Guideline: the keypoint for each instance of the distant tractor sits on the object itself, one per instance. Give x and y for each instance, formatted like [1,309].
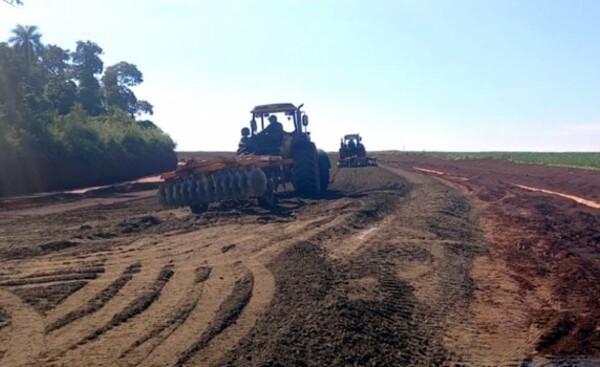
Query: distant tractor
[268,158]
[353,154]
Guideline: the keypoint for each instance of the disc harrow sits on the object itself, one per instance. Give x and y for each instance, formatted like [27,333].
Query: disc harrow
[356,161]
[201,182]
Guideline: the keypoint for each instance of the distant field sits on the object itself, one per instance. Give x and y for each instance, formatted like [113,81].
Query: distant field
[202,154]
[583,160]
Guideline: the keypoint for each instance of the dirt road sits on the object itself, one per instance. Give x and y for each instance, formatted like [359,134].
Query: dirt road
[378,272]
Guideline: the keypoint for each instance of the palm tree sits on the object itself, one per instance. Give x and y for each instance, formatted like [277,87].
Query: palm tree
[26,40]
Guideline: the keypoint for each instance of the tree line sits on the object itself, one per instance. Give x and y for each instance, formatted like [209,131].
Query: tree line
[67,121]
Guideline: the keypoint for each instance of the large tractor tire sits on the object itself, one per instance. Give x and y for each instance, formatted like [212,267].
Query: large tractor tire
[305,173]
[324,166]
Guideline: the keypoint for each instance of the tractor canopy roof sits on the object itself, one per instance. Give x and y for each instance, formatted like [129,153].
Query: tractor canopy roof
[351,136]
[288,108]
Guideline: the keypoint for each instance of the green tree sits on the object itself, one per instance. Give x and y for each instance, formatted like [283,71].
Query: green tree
[9,80]
[56,60]
[27,41]
[58,90]
[61,94]
[64,143]
[86,64]
[117,81]
[13,2]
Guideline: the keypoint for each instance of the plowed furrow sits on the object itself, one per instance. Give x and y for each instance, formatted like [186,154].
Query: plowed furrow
[226,315]
[61,340]
[49,279]
[45,298]
[173,320]
[4,318]
[98,269]
[163,330]
[214,291]
[262,295]
[136,307]
[98,301]
[26,340]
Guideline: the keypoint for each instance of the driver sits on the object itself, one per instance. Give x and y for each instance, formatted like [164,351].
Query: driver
[275,127]
[351,144]
[273,135]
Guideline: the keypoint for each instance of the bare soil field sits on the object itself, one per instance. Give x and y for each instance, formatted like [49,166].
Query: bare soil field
[538,285]
[394,266]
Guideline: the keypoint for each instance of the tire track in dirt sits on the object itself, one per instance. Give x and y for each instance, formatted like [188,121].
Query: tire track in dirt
[61,340]
[341,298]
[437,279]
[493,327]
[5,330]
[263,281]
[215,290]
[427,249]
[140,317]
[92,346]
[46,297]
[252,238]
[45,290]
[48,279]
[148,342]
[135,307]
[95,303]
[26,340]
[261,294]
[534,292]
[42,276]
[227,314]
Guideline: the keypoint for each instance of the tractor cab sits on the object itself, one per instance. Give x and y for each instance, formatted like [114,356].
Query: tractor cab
[351,145]
[264,137]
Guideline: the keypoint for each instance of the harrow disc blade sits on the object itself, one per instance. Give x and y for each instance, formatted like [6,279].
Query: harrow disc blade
[202,189]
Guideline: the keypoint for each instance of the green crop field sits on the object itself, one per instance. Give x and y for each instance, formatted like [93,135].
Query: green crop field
[569,159]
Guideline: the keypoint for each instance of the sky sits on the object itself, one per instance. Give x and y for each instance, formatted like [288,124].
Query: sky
[468,75]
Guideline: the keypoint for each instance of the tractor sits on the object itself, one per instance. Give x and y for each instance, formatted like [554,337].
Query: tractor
[268,158]
[352,153]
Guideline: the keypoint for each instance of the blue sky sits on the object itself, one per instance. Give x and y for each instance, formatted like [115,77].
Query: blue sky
[415,75]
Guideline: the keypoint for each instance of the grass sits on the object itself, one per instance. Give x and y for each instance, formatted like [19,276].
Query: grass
[590,160]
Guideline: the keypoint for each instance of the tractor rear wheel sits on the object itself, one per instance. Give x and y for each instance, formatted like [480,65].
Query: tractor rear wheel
[324,166]
[305,173]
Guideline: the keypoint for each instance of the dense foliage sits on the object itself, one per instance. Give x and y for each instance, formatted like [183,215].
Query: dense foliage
[568,159]
[63,123]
